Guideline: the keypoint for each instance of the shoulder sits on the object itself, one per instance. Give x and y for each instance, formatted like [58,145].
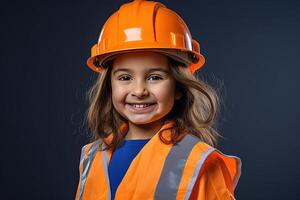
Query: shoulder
[215,173]
[214,182]
[90,148]
[211,160]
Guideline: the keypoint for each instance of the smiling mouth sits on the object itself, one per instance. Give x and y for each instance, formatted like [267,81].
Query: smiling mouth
[140,107]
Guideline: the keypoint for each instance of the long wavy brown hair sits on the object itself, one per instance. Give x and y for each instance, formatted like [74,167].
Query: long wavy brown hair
[194,113]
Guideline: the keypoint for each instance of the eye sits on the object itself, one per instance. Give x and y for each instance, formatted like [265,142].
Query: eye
[124,78]
[155,77]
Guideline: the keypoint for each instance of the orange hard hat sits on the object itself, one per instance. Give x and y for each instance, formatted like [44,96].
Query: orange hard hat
[147,26]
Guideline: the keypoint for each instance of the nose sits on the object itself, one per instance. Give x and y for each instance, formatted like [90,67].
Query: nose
[140,89]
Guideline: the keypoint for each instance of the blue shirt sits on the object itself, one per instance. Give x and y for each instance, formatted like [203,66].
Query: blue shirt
[120,161]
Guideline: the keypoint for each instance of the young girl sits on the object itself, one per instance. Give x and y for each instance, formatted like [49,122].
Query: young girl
[151,118]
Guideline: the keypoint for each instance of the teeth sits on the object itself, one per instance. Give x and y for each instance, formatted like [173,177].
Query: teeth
[140,105]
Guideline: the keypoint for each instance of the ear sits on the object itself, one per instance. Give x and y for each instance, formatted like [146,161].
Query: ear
[178,95]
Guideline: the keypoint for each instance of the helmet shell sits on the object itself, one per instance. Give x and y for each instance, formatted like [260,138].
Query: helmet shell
[145,26]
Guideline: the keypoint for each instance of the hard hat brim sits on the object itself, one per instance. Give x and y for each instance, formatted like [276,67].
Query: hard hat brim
[189,59]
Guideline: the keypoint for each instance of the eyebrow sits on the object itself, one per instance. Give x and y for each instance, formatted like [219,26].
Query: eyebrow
[150,70]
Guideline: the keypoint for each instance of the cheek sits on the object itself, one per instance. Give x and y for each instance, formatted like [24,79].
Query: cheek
[118,93]
[165,93]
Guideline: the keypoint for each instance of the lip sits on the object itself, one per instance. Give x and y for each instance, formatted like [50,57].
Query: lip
[139,103]
[140,110]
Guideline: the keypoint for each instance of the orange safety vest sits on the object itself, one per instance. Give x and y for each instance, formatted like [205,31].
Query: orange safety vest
[191,169]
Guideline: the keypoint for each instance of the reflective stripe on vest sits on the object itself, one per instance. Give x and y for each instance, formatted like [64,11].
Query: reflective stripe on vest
[86,164]
[196,172]
[171,175]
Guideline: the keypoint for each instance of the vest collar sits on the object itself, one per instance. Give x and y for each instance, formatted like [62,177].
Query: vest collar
[168,124]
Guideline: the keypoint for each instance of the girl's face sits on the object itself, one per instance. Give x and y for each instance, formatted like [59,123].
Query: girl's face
[143,89]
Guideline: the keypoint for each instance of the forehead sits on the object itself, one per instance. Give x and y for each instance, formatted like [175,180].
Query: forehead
[140,61]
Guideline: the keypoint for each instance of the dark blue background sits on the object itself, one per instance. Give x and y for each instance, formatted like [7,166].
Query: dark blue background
[252,55]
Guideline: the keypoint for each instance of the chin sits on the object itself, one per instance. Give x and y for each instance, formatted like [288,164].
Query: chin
[142,120]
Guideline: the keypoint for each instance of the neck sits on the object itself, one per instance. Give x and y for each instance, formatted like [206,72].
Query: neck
[143,131]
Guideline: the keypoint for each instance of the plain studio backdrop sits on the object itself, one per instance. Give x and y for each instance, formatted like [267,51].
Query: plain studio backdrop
[252,56]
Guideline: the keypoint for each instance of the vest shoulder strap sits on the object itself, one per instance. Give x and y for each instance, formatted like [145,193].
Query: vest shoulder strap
[88,153]
[184,164]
